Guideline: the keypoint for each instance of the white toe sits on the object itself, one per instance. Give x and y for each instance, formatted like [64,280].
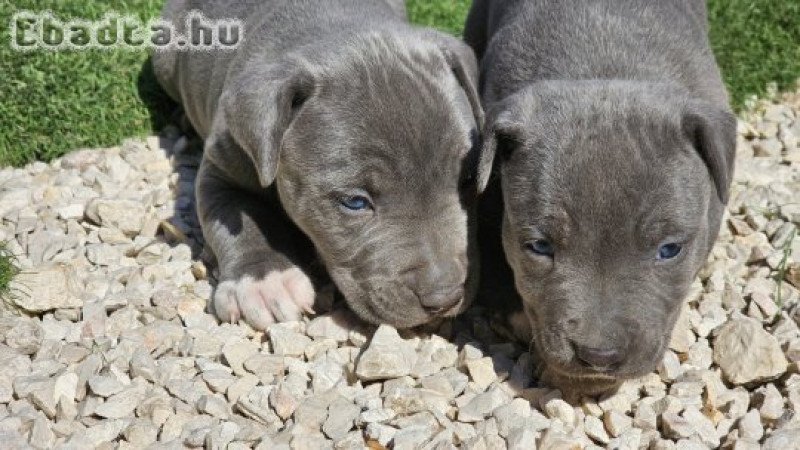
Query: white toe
[281,296]
[226,305]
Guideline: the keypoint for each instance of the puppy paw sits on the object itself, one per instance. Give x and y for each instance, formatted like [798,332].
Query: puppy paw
[281,296]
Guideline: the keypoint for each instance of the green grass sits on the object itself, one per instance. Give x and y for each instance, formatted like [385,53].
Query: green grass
[446,15]
[7,270]
[756,42]
[51,103]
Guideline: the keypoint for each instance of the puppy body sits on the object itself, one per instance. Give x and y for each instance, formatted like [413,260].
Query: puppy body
[614,147]
[335,132]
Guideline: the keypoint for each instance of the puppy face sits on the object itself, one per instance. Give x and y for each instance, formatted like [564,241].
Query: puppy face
[378,167]
[613,197]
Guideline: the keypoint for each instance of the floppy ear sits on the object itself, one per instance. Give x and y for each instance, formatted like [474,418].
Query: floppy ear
[503,134]
[257,108]
[462,62]
[712,132]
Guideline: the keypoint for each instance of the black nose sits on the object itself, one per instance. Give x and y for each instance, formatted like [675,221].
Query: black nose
[599,358]
[440,302]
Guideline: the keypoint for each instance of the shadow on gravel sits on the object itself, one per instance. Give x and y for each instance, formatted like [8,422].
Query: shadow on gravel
[184,149]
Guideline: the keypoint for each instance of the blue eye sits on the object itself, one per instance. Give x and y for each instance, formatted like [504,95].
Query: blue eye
[356,203]
[541,247]
[669,251]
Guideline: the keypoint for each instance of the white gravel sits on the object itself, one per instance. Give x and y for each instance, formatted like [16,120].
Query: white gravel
[105,342]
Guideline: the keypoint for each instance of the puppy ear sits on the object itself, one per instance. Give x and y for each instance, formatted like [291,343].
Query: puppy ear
[462,62]
[257,109]
[503,135]
[712,132]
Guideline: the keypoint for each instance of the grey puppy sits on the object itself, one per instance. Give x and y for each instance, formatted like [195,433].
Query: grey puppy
[336,132]
[614,144]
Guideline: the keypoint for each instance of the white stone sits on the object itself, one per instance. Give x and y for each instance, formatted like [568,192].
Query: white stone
[750,426]
[481,406]
[286,341]
[124,215]
[388,356]
[105,385]
[46,288]
[676,427]
[120,405]
[616,423]
[561,410]
[521,439]
[481,370]
[788,439]
[746,353]
[595,430]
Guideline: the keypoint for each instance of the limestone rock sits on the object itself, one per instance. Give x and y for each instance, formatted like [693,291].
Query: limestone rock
[388,356]
[746,353]
[46,288]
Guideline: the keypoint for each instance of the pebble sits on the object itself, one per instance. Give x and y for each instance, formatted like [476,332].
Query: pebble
[788,439]
[141,433]
[237,352]
[616,423]
[25,336]
[46,288]
[560,410]
[480,406]
[518,414]
[120,405]
[105,386]
[286,341]
[335,325]
[381,434]
[241,386]
[341,419]
[214,406]
[747,353]
[521,439]
[387,356]
[481,371]
[750,426]
[283,402]
[557,440]
[676,427]
[42,436]
[124,215]
[595,429]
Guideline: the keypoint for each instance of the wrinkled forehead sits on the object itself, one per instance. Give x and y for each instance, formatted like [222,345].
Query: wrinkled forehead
[397,123]
[610,177]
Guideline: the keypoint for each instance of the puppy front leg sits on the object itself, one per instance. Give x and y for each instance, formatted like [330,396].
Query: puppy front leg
[259,252]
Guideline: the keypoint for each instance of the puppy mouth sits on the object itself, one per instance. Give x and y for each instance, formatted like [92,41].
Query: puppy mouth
[638,364]
[587,374]
[395,304]
[451,311]
[574,370]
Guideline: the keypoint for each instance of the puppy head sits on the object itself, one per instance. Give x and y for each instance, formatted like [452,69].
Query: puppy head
[614,194]
[372,146]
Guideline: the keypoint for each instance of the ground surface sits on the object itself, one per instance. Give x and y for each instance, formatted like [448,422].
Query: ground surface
[51,103]
[104,339]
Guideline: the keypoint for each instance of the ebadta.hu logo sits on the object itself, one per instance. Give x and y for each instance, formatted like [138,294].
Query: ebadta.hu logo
[42,30]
